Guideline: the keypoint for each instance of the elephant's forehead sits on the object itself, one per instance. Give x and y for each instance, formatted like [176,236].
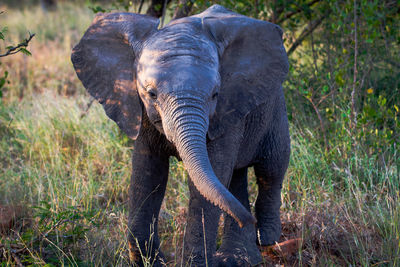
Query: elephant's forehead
[181,44]
[176,76]
[178,54]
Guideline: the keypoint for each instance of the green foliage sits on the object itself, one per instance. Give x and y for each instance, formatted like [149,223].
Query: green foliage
[97,9]
[21,47]
[328,68]
[58,230]
[45,147]
[3,81]
[3,32]
[338,49]
[125,5]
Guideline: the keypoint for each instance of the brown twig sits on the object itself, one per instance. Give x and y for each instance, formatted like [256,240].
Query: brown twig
[183,9]
[353,115]
[55,226]
[291,14]
[314,53]
[325,97]
[85,112]
[255,8]
[17,260]
[15,49]
[321,122]
[14,253]
[276,11]
[204,236]
[306,32]
[163,13]
[154,9]
[140,6]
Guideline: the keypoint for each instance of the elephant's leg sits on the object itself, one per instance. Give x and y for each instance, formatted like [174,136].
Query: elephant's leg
[238,246]
[201,230]
[270,174]
[222,162]
[148,183]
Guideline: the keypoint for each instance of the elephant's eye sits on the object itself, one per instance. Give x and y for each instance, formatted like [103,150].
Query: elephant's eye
[215,95]
[152,93]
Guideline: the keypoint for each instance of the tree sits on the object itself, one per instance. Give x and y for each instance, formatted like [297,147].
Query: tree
[345,77]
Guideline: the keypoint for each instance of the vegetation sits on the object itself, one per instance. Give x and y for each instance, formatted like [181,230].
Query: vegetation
[65,168]
[12,50]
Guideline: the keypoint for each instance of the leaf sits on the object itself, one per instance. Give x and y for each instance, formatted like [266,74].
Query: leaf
[3,79]
[97,9]
[339,79]
[26,52]
[1,36]
[2,82]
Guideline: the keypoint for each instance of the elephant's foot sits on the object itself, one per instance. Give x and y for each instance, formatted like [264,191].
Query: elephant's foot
[238,254]
[138,259]
[268,234]
[134,255]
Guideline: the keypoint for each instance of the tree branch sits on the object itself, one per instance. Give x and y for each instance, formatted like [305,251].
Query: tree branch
[353,115]
[183,9]
[321,122]
[276,12]
[393,63]
[156,8]
[306,32]
[140,6]
[15,49]
[291,14]
[163,13]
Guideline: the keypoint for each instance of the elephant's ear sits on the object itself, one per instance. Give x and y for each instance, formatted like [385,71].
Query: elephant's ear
[253,64]
[104,61]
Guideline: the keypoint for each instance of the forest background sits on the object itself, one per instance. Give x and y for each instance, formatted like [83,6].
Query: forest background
[65,167]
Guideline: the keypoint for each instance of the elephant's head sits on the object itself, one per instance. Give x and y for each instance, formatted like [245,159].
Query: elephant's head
[216,66]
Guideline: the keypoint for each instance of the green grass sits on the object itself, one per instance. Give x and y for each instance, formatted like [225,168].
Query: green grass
[67,172]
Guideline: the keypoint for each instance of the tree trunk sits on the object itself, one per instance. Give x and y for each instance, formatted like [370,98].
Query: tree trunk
[183,9]
[156,8]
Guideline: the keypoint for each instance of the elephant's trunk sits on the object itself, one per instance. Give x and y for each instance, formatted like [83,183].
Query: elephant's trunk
[185,124]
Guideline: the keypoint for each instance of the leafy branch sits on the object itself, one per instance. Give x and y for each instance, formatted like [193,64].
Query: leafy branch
[306,32]
[21,47]
[11,50]
[300,9]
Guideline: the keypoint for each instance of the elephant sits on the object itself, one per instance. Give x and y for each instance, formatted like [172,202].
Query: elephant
[206,89]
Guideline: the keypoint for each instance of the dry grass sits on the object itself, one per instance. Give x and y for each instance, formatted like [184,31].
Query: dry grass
[70,174]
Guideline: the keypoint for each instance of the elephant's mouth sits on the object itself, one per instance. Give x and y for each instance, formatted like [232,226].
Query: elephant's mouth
[158,125]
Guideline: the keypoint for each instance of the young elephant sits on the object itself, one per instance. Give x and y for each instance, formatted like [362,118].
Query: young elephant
[206,89]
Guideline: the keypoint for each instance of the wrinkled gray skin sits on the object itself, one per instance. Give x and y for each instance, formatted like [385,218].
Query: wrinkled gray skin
[207,90]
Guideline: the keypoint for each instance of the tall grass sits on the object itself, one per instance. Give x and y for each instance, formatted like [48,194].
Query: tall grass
[68,171]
